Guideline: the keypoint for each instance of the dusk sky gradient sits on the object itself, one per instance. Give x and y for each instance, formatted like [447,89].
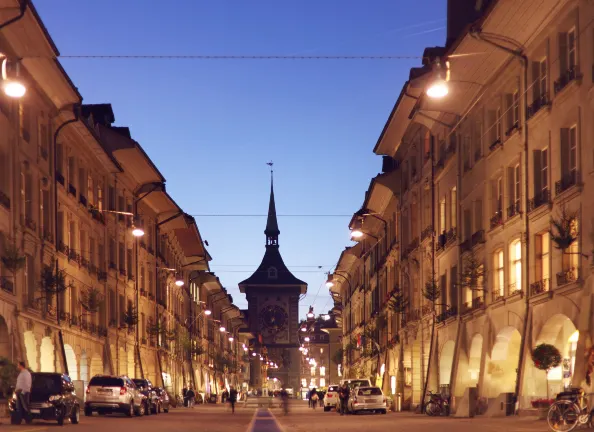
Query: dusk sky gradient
[211,125]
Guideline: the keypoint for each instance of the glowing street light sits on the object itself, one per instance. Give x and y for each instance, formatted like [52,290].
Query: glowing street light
[306,339]
[207,312]
[13,86]
[137,232]
[222,329]
[357,234]
[230,338]
[437,89]
[310,314]
[179,281]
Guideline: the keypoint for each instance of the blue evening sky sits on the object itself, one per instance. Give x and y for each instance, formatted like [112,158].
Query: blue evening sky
[211,125]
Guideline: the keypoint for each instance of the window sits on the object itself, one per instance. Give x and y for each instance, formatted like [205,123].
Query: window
[515,109]
[322,371]
[60,158]
[539,78]
[43,137]
[515,276]
[24,121]
[23,196]
[92,258]
[44,208]
[478,215]
[90,190]
[121,256]
[72,235]
[499,281]
[74,305]
[498,125]
[571,256]
[497,196]
[477,140]
[541,173]
[467,223]
[71,171]
[111,198]
[141,279]
[30,278]
[568,157]
[442,215]
[494,124]
[427,145]
[112,313]
[571,49]
[453,208]
[99,203]
[513,178]
[129,263]
[543,260]
[4,172]
[322,382]
[272,273]
[466,153]
[83,244]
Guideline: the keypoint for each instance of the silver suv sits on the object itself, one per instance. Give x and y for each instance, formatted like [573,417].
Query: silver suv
[107,394]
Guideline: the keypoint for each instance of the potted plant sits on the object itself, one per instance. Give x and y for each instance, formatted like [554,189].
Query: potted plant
[545,357]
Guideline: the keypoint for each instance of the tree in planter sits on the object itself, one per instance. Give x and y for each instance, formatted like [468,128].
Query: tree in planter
[53,282]
[8,376]
[131,316]
[473,273]
[91,300]
[12,259]
[564,230]
[545,358]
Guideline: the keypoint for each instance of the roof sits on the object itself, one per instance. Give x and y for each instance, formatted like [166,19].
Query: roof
[262,276]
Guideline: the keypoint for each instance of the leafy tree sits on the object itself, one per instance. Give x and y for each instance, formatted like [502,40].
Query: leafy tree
[53,281]
[432,290]
[12,259]
[131,316]
[398,303]
[8,376]
[338,355]
[545,358]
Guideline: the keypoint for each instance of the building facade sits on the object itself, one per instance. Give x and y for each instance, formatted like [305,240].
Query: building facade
[80,293]
[492,243]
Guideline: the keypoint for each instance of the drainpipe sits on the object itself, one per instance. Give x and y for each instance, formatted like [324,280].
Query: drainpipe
[23,9]
[76,111]
[524,59]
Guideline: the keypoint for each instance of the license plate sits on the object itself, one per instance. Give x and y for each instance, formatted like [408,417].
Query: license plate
[369,400]
[35,411]
[104,391]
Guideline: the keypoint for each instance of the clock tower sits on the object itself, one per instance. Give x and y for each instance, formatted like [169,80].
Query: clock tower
[272,294]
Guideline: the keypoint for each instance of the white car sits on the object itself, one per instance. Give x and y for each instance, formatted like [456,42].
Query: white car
[331,399]
[369,399]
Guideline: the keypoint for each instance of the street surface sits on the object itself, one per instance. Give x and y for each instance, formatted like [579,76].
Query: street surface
[218,418]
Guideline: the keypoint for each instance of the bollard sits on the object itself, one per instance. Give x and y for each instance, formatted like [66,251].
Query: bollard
[398,406]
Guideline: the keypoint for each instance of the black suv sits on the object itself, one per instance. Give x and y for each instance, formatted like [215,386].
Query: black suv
[52,397]
[146,388]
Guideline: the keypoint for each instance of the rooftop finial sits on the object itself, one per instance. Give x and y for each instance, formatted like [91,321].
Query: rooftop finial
[272,232]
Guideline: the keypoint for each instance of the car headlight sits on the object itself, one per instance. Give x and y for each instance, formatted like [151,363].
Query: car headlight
[54,398]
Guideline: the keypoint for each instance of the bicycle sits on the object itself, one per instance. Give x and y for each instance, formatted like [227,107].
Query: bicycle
[437,405]
[569,410]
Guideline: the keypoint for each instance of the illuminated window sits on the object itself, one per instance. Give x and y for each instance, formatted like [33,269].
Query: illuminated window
[313,370]
[339,370]
[499,273]
[322,382]
[515,276]
[303,382]
[322,370]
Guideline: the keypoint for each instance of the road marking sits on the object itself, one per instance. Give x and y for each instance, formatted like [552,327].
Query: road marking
[264,421]
[32,430]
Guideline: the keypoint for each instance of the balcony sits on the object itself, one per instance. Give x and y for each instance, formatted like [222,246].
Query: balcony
[4,200]
[59,178]
[84,262]
[514,288]
[538,200]
[478,237]
[97,215]
[123,272]
[466,245]
[474,304]
[73,256]
[571,74]
[63,248]
[71,189]
[538,103]
[496,144]
[441,241]
[497,295]
[497,219]
[449,312]
[6,285]
[47,236]
[567,276]
[83,200]
[427,232]
[102,331]
[512,129]
[566,182]
[539,287]
[513,210]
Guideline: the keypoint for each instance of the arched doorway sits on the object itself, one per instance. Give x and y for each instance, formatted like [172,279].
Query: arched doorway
[446,359]
[31,350]
[48,359]
[474,360]
[96,366]
[559,331]
[502,364]
[5,345]
[71,362]
[84,367]
[122,362]
[131,373]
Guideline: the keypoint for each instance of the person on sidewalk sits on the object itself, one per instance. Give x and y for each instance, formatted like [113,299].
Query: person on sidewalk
[23,390]
[314,398]
[191,397]
[232,399]
[343,395]
[185,396]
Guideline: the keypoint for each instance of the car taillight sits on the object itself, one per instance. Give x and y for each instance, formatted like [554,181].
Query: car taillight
[384,400]
[355,401]
[122,391]
[329,395]
[88,390]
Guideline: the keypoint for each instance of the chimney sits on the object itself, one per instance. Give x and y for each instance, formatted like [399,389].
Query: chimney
[462,13]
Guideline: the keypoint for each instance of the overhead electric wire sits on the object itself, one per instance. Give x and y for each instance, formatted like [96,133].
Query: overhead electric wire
[265,215]
[237,57]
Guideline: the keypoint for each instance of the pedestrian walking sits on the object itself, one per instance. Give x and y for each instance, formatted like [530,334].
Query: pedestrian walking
[285,401]
[191,395]
[224,396]
[343,394]
[23,390]
[314,398]
[232,399]
[185,396]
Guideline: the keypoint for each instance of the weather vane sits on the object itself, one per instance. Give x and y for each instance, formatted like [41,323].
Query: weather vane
[271,165]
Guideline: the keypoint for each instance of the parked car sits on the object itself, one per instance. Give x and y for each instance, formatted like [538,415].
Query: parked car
[163,398]
[107,394]
[354,383]
[52,397]
[331,399]
[146,388]
[367,399]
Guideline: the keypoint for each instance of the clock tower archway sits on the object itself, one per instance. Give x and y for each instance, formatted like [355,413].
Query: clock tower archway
[272,294]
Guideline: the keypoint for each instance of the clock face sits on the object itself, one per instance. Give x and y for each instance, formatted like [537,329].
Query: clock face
[274,318]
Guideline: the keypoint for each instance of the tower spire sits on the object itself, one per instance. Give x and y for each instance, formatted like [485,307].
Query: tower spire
[272,232]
